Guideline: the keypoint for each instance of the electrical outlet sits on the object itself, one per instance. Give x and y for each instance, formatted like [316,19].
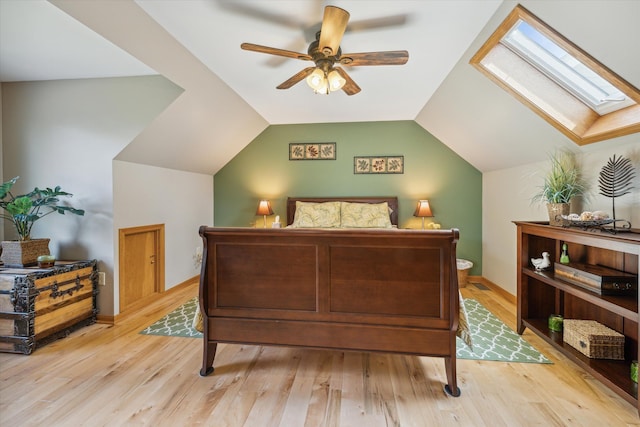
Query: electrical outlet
[102,278]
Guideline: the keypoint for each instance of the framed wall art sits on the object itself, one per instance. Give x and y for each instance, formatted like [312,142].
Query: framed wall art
[378,164]
[312,151]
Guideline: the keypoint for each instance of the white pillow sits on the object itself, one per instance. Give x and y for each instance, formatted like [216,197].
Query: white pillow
[365,215]
[316,215]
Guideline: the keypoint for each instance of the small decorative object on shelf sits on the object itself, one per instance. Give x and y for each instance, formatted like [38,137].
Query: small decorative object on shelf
[555,323]
[541,263]
[634,371]
[564,258]
[615,180]
[595,221]
[46,261]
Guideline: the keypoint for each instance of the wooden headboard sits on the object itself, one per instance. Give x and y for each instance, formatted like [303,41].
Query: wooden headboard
[391,201]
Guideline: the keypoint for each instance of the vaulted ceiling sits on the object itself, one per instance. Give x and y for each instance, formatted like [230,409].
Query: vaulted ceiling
[230,96]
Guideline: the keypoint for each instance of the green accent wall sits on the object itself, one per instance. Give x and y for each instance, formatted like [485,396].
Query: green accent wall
[262,170]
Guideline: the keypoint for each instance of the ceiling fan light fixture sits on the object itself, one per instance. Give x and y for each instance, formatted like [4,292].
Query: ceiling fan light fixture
[336,81]
[316,80]
[322,82]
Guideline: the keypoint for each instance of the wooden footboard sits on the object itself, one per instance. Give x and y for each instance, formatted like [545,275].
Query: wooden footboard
[392,291]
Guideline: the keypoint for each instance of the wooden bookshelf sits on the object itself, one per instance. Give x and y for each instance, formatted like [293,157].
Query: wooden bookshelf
[541,293]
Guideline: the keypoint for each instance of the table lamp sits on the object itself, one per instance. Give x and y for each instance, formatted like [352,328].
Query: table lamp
[423,210]
[264,208]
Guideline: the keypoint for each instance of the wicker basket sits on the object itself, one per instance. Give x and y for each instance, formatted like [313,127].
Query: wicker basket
[463,271]
[593,339]
[23,253]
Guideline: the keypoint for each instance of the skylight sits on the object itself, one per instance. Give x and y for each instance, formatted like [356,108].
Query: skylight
[566,70]
[563,84]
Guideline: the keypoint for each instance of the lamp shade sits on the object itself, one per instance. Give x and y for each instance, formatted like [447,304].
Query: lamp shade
[264,208]
[335,80]
[318,81]
[423,209]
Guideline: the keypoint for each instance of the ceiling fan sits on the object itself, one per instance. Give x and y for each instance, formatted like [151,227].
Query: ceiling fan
[325,52]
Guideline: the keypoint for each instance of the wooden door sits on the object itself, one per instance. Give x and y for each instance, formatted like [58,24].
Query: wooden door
[141,263]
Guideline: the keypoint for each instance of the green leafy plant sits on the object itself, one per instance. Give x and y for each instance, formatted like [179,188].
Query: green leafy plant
[25,209]
[563,181]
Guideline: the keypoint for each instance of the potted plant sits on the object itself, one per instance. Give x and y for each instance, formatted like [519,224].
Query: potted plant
[23,211]
[562,183]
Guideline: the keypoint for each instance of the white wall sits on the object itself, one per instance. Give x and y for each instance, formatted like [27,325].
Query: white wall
[1,161]
[66,133]
[507,197]
[207,126]
[182,201]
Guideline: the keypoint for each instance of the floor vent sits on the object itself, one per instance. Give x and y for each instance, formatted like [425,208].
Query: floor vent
[480,286]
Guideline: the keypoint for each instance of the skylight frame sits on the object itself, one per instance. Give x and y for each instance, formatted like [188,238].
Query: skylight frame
[542,93]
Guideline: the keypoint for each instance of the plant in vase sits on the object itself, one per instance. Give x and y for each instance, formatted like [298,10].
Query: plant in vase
[562,182]
[23,211]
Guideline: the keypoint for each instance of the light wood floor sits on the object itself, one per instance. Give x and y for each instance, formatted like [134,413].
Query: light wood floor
[113,376]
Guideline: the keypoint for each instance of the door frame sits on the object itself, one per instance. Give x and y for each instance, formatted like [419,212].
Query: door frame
[158,230]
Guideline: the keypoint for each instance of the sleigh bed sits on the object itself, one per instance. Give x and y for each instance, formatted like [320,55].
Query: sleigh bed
[361,289]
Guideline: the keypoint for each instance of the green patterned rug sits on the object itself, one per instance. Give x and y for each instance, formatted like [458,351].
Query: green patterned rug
[492,339]
[177,323]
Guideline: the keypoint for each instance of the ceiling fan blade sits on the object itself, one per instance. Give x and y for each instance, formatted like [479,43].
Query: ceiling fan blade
[275,51]
[377,23]
[296,78]
[391,57]
[334,23]
[261,14]
[350,87]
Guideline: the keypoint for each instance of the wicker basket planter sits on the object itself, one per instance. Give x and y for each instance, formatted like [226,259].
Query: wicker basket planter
[23,253]
[556,211]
